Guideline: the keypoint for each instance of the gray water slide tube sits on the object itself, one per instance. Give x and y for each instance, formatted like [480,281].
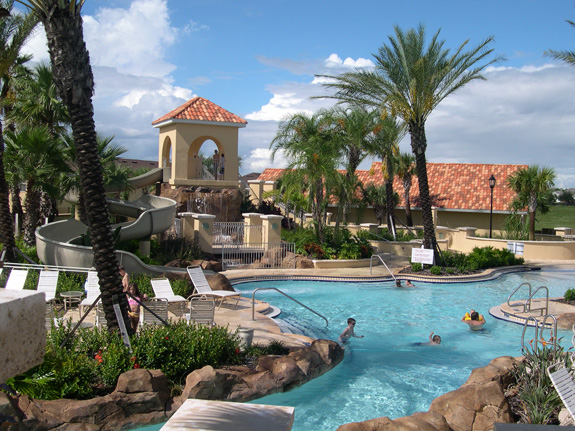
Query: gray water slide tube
[60,243]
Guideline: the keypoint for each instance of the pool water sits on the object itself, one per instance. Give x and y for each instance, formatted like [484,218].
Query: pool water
[385,374]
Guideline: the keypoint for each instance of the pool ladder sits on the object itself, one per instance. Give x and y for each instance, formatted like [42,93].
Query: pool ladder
[543,324]
[527,305]
[287,296]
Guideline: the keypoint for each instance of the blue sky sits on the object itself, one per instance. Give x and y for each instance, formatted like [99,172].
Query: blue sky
[258,59]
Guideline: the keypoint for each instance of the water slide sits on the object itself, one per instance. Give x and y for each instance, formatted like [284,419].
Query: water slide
[60,243]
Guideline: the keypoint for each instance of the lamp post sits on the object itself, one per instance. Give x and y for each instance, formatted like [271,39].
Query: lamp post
[492,182]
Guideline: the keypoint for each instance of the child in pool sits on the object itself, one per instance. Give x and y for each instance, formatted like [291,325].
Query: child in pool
[348,332]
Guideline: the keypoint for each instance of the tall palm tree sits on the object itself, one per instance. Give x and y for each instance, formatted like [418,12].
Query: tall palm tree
[309,144]
[356,125]
[15,29]
[75,82]
[387,134]
[409,81]
[566,56]
[39,159]
[405,171]
[532,185]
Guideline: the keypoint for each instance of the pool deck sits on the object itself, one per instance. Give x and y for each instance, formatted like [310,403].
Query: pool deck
[266,329]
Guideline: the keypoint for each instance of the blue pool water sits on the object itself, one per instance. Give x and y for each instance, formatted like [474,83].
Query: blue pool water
[385,374]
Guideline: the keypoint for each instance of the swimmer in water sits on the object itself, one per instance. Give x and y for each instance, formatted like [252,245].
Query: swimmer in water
[348,332]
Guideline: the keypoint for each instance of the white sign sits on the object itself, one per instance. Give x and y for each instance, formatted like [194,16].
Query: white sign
[422,255]
[515,247]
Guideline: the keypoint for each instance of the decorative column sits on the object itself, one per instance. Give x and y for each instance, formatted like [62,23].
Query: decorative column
[272,225]
[187,225]
[203,230]
[252,236]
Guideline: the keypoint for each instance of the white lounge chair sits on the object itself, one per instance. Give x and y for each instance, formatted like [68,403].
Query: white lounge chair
[163,289]
[158,306]
[48,282]
[92,288]
[16,279]
[202,311]
[564,384]
[202,287]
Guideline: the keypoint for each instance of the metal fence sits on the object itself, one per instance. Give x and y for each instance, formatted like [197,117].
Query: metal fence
[258,255]
[235,233]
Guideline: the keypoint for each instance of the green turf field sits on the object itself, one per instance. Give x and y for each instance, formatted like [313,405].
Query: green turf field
[558,216]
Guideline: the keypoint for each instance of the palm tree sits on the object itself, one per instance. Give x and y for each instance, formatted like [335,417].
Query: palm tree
[532,185]
[387,134]
[409,81]
[14,31]
[566,56]
[377,198]
[405,171]
[309,144]
[39,159]
[356,125]
[75,82]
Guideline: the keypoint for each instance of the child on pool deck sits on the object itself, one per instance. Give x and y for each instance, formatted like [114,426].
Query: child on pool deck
[348,332]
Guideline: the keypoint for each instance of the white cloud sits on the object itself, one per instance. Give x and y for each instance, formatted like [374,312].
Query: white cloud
[334,61]
[132,40]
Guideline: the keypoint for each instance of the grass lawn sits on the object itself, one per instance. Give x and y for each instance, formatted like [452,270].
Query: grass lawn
[558,216]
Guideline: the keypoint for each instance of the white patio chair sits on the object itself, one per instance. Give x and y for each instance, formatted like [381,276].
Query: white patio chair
[48,282]
[92,288]
[202,311]
[163,289]
[158,306]
[202,287]
[16,279]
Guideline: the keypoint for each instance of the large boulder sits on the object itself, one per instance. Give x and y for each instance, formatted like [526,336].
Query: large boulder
[473,407]
[566,321]
[219,282]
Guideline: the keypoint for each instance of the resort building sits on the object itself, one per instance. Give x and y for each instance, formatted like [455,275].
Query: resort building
[460,194]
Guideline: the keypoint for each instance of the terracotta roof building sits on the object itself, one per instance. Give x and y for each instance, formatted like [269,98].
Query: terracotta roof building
[459,191]
[200,109]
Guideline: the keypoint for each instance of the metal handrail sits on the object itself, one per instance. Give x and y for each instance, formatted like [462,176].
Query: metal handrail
[543,324]
[515,291]
[528,301]
[287,296]
[382,261]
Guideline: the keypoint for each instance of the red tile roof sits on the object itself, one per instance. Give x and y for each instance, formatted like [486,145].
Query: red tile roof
[458,186]
[200,109]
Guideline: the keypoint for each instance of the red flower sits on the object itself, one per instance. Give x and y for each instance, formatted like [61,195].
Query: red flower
[133,359]
[237,351]
[136,365]
[167,338]
[98,358]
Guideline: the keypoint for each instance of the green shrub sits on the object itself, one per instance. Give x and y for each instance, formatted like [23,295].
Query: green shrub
[569,295]
[435,270]
[450,271]
[416,266]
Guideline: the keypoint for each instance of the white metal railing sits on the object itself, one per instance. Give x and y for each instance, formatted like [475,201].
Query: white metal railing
[258,255]
[382,261]
[235,233]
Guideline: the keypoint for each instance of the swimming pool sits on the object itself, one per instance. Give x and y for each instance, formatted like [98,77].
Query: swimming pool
[384,374]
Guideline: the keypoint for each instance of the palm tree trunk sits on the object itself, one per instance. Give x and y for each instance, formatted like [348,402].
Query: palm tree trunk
[408,218]
[17,210]
[75,82]
[389,205]
[6,225]
[32,213]
[531,225]
[418,146]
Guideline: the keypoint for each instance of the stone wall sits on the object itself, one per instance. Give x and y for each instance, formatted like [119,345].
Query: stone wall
[142,397]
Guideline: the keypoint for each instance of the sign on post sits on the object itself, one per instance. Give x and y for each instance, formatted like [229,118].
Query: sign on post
[422,255]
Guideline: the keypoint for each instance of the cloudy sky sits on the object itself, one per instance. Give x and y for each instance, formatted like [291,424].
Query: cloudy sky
[258,59]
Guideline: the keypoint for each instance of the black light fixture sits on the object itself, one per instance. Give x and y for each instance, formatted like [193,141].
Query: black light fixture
[492,182]
[4,12]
